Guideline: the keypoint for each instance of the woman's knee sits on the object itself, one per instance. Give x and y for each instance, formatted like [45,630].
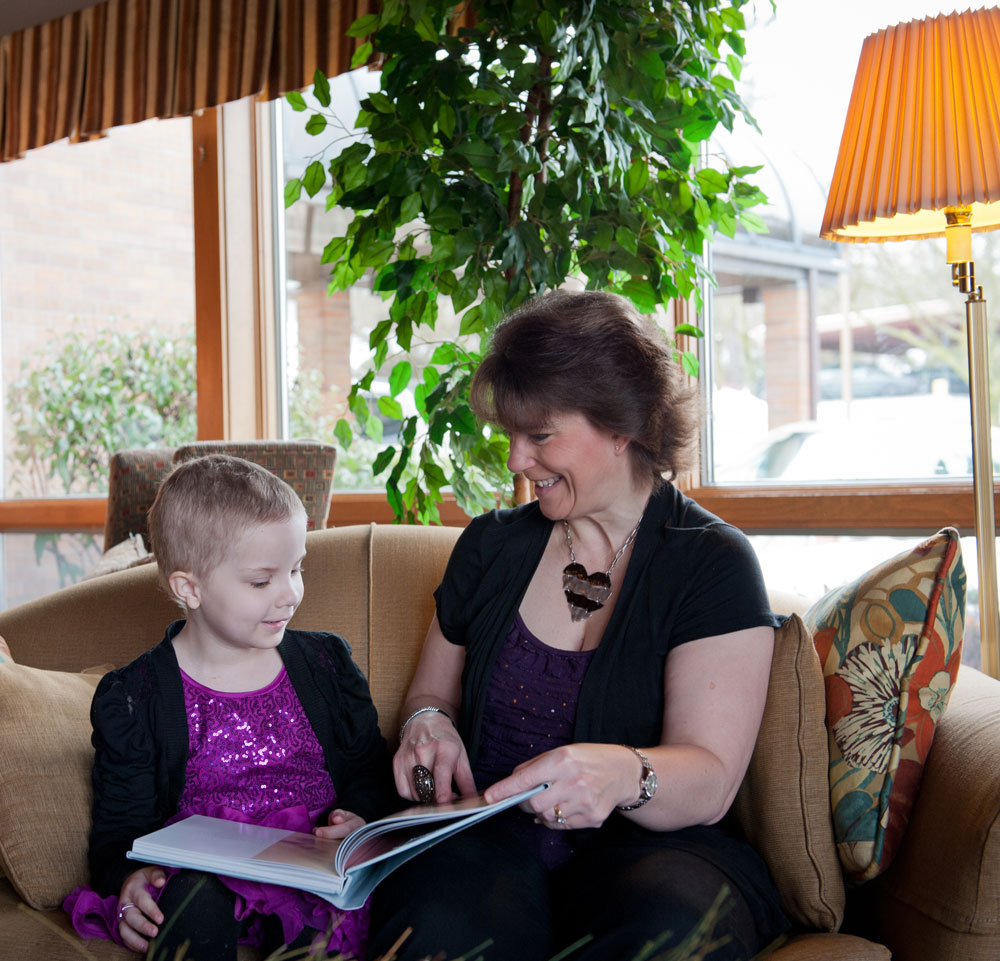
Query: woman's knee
[464,894]
[663,899]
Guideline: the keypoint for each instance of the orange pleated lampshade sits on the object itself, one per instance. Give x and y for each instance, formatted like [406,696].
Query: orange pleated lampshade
[922,132]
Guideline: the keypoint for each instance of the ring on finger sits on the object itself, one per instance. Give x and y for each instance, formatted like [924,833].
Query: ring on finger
[560,817]
[123,909]
[423,783]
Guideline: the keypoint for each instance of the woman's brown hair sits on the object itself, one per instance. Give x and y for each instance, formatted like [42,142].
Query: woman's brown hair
[592,353]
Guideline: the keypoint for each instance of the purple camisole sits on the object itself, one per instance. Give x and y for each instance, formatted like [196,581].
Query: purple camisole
[530,708]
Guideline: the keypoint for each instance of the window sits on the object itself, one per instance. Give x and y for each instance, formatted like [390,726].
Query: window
[832,364]
[97,344]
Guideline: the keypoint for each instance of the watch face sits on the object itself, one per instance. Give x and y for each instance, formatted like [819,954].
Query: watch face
[650,784]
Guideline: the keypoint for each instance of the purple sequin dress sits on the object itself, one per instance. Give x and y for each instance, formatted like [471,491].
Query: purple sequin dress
[530,708]
[252,757]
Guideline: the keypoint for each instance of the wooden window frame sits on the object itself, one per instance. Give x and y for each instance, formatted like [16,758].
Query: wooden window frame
[237,389]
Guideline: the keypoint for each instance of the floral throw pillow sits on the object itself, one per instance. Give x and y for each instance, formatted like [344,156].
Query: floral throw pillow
[890,644]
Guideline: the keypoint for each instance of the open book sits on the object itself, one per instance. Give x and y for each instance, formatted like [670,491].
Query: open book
[344,872]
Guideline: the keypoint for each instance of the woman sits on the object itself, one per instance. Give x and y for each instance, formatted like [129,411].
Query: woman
[635,690]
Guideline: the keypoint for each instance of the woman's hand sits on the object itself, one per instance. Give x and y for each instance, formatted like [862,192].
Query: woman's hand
[340,823]
[586,783]
[430,739]
[141,917]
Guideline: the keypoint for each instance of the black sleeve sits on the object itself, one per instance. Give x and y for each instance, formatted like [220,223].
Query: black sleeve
[462,577]
[126,773]
[725,589]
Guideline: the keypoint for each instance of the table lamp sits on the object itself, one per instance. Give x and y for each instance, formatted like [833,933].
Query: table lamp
[920,157]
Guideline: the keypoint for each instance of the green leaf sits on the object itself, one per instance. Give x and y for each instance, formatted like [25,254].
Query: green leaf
[444,354]
[364,25]
[648,62]
[361,56]
[465,293]
[472,321]
[295,100]
[314,178]
[399,379]
[753,222]
[689,329]
[316,124]
[293,190]
[343,432]
[689,363]
[446,120]
[636,178]
[711,181]
[383,460]
[381,103]
[390,408]
[321,88]
[409,209]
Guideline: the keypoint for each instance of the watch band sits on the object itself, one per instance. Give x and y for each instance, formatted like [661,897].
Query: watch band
[647,781]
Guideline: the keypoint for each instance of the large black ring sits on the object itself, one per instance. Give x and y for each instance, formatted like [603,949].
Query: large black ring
[423,781]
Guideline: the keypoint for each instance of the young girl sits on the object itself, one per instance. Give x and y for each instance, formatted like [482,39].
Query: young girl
[232,716]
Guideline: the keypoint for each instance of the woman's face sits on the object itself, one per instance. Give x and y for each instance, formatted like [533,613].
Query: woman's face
[572,463]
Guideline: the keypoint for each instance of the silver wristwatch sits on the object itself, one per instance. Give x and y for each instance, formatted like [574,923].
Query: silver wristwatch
[647,781]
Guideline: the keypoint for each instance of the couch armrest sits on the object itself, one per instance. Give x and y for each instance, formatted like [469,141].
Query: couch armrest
[939,898]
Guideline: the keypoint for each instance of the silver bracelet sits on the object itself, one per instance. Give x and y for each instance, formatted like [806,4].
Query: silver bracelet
[423,710]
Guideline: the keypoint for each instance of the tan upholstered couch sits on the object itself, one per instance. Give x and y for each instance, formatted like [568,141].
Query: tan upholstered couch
[939,900]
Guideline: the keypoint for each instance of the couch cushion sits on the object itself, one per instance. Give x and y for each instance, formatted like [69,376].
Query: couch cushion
[5,656]
[890,644]
[783,805]
[45,762]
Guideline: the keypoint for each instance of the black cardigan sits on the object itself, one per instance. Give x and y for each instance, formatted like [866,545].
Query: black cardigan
[141,742]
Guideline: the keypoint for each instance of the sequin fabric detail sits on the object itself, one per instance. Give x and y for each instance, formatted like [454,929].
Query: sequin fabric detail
[255,752]
[530,708]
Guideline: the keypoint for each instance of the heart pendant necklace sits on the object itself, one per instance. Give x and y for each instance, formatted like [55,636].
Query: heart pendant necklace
[586,593]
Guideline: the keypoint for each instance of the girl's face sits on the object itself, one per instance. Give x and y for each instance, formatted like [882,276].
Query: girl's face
[248,599]
[574,465]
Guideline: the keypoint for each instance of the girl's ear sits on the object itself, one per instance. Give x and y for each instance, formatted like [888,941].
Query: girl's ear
[621,442]
[184,586]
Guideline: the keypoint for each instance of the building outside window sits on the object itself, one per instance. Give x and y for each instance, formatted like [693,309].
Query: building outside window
[829,362]
[97,343]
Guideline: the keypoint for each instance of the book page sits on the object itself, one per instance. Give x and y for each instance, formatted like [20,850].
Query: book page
[302,851]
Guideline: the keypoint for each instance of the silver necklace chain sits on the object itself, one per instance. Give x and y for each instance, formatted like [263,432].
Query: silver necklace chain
[618,556]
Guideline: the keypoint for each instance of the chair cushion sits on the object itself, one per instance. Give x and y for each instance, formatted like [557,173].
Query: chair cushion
[306,466]
[45,794]
[783,805]
[134,477]
[890,644]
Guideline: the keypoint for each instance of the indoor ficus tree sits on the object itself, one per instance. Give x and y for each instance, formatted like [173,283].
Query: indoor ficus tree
[514,146]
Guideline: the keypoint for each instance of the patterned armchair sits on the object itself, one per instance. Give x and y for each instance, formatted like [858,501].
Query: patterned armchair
[135,476]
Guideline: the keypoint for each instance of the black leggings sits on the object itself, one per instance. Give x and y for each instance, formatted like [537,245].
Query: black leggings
[618,894]
[207,922]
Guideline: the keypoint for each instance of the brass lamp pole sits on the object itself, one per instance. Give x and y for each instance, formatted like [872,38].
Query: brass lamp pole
[920,157]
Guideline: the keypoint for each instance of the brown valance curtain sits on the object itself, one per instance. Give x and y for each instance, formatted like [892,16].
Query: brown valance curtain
[123,61]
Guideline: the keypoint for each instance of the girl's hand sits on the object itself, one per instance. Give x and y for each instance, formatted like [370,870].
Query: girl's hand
[141,917]
[340,824]
[430,739]
[586,783]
